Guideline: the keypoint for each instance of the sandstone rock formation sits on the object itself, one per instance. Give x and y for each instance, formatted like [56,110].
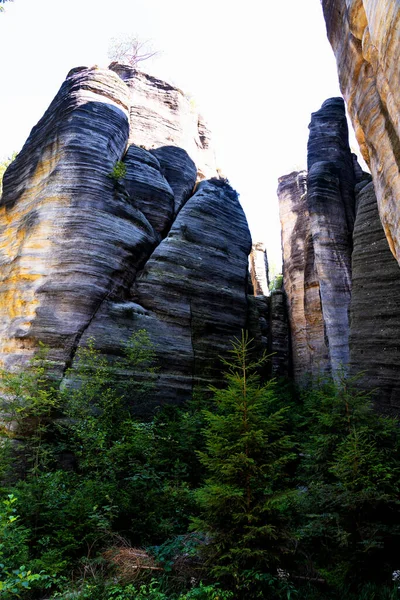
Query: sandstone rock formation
[279,347]
[309,349]
[364,37]
[342,281]
[84,255]
[375,306]
[259,269]
[317,217]
[161,115]
[331,206]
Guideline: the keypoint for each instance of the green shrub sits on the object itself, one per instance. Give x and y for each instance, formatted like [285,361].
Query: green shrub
[350,481]
[28,403]
[118,172]
[276,283]
[15,577]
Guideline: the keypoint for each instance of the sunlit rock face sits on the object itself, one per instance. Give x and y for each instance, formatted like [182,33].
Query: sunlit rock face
[310,354]
[60,218]
[317,217]
[375,306]
[84,255]
[259,269]
[365,40]
[162,115]
[341,279]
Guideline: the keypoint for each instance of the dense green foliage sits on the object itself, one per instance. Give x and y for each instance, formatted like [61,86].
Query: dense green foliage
[256,493]
[245,498]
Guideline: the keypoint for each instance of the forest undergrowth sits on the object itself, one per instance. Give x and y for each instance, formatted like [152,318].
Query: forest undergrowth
[255,491]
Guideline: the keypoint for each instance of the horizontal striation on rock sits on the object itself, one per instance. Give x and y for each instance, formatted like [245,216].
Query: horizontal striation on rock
[375,306]
[162,115]
[191,294]
[87,253]
[279,335]
[310,353]
[317,211]
[180,172]
[365,40]
[148,189]
[331,207]
[258,325]
[59,217]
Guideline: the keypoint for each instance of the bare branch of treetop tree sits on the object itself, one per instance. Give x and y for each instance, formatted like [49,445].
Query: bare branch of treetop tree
[128,49]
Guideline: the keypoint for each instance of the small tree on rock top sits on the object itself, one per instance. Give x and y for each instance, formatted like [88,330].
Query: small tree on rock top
[128,49]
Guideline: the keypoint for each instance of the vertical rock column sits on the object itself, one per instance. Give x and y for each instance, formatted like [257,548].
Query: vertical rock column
[259,269]
[331,206]
[66,237]
[309,349]
[317,218]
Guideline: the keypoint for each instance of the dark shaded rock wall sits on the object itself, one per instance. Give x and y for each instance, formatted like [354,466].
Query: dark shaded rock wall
[375,306]
[279,347]
[83,255]
[331,207]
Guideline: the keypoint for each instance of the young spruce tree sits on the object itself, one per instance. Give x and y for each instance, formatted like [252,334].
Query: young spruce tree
[350,476]
[244,502]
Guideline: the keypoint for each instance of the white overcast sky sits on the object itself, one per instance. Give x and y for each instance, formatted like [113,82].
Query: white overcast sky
[256,68]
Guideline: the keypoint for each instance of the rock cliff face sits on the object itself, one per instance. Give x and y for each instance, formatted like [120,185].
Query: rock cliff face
[331,206]
[317,216]
[342,281]
[161,116]
[364,37]
[375,305]
[309,349]
[83,255]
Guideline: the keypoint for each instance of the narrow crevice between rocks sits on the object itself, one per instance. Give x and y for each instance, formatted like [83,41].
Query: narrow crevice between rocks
[81,332]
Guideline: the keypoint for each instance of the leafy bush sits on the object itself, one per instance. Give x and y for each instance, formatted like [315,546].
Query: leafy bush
[15,578]
[276,283]
[118,172]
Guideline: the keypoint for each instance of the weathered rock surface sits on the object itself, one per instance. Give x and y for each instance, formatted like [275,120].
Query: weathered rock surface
[342,281]
[190,295]
[279,347]
[375,306]
[331,207]
[65,236]
[161,115]
[259,269]
[310,353]
[268,327]
[365,40]
[317,217]
[83,255]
